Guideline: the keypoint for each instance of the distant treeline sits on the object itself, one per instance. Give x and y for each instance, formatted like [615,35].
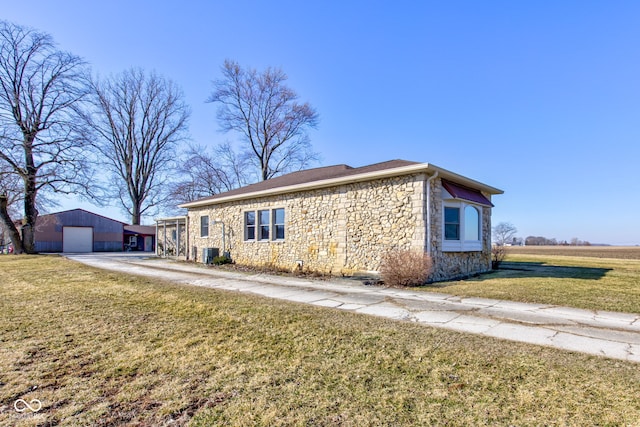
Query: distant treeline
[543,241]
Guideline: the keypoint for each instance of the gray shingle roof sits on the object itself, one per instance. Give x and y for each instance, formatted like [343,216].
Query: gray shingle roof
[310,175]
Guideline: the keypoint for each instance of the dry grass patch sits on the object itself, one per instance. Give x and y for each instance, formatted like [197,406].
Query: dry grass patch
[611,284]
[101,348]
[616,252]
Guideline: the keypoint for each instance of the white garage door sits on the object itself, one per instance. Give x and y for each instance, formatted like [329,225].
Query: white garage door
[77,239]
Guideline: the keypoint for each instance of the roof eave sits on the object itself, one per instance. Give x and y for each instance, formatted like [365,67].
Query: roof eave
[452,176]
[368,176]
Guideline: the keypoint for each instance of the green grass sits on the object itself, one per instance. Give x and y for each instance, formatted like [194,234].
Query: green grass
[610,284]
[102,348]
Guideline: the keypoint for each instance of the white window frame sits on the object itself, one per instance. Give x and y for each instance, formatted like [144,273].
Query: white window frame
[462,245]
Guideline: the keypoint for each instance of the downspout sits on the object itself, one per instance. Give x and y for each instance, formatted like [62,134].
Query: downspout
[187,252]
[224,246]
[431,178]
[177,238]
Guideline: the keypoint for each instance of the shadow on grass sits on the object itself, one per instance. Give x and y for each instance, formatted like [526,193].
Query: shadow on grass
[539,269]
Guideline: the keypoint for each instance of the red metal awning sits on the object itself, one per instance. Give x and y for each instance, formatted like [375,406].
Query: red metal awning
[466,193]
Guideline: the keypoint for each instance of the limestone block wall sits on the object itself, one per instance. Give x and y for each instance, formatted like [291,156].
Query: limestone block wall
[341,230]
[382,216]
[344,230]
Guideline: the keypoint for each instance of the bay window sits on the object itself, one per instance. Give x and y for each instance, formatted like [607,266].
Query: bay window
[462,227]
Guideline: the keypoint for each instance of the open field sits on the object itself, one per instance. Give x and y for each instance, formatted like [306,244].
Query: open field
[618,252]
[100,348]
[559,276]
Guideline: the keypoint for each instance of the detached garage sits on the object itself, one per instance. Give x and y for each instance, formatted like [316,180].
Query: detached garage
[78,230]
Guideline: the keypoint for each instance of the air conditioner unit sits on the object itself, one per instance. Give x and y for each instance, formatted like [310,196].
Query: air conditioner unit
[208,254]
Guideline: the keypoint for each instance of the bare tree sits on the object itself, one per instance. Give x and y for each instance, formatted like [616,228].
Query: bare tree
[42,140]
[206,173]
[139,119]
[267,114]
[503,233]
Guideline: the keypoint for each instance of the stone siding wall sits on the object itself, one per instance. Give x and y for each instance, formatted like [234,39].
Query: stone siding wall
[343,230]
[339,230]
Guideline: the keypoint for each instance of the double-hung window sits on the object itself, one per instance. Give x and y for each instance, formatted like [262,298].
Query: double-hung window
[263,225]
[451,223]
[250,225]
[204,226]
[278,224]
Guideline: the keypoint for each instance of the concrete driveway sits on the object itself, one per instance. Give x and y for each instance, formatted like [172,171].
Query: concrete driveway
[609,334]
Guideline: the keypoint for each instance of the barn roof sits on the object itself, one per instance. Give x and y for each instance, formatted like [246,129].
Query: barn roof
[78,210]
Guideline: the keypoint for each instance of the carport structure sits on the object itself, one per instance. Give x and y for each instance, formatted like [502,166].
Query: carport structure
[172,237]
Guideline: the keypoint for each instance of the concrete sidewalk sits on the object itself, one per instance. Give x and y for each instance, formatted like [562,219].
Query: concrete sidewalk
[608,334]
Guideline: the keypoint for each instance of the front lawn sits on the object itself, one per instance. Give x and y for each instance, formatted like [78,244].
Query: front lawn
[103,348]
[611,284]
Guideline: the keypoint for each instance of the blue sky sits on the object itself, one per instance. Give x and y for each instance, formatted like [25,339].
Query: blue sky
[540,99]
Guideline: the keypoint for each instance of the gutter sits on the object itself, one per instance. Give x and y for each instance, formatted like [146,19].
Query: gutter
[431,178]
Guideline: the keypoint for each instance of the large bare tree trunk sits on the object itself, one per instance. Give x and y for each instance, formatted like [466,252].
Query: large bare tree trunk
[135,213]
[14,235]
[42,140]
[30,218]
[30,193]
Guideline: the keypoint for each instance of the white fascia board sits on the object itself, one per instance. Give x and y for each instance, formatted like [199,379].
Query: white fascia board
[173,218]
[368,176]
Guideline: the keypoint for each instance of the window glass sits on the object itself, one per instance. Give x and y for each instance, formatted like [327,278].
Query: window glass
[278,224]
[250,225]
[471,223]
[204,226]
[451,223]
[263,225]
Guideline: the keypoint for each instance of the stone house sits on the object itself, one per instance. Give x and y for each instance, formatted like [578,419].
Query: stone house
[340,220]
